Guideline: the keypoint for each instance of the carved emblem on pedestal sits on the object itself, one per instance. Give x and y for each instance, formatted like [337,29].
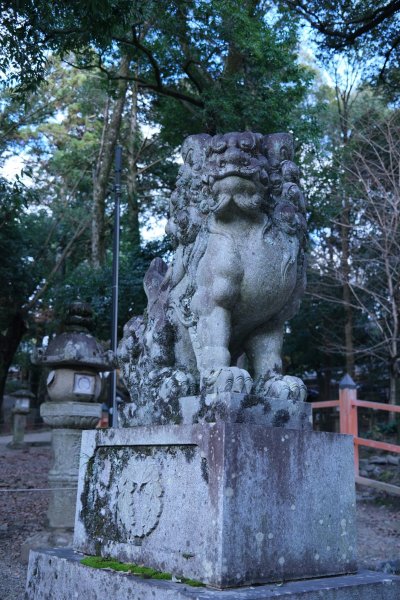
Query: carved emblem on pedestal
[139,503]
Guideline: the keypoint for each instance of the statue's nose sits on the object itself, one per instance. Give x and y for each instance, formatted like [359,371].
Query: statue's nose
[233,156]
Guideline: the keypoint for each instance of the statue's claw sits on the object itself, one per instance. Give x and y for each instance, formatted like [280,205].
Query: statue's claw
[227,379]
[283,387]
[176,385]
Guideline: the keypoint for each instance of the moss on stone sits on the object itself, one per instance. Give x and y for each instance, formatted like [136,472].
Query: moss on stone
[98,562]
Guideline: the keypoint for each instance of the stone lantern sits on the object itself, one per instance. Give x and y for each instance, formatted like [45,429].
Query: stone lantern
[20,411]
[75,359]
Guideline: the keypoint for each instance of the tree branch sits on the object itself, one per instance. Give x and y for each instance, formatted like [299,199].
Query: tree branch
[41,290]
[369,21]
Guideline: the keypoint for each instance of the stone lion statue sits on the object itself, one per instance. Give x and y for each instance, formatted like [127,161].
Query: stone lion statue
[215,317]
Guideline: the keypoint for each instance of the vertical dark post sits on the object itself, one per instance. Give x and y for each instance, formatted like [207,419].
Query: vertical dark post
[114,317]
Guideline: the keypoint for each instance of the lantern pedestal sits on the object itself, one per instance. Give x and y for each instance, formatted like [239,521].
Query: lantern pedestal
[68,419]
[20,412]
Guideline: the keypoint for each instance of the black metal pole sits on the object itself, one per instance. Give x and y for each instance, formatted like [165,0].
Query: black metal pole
[114,317]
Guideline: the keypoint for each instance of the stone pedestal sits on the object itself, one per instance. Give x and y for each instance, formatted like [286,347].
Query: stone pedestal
[226,504]
[58,574]
[63,477]
[67,419]
[20,411]
[18,429]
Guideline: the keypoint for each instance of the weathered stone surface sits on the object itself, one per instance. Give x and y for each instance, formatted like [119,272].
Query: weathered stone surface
[63,477]
[245,408]
[76,359]
[75,346]
[67,418]
[46,539]
[226,406]
[58,574]
[74,415]
[215,318]
[226,504]
[63,384]
[22,399]
[19,426]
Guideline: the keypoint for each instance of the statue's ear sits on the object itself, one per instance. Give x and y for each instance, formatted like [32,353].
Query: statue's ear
[278,146]
[192,145]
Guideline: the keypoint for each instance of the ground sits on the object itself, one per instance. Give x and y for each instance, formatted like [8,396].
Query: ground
[21,513]
[24,513]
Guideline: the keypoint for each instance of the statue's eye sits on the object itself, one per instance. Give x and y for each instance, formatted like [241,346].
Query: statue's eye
[290,171]
[218,144]
[247,143]
[264,178]
[189,156]
[284,153]
[288,212]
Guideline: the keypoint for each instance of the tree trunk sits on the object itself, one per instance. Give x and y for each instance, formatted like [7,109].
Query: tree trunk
[103,168]
[132,174]
[9,342]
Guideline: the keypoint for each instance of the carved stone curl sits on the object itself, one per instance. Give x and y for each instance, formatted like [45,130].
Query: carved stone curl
[215,317]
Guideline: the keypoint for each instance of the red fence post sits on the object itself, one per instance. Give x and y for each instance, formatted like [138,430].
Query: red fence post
[348,413]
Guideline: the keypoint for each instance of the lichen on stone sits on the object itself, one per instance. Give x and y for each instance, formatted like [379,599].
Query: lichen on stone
[98,562]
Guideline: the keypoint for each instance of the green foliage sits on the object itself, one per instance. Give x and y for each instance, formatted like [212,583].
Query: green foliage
[98,562]
[95,286]
[230,66]
[243,70]
[32,28]
[371,28]
[22,248]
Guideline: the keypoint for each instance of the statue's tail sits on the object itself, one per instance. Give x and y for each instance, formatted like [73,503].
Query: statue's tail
[153,279]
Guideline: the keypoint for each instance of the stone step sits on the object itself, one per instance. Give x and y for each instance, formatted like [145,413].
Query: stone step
[58,573]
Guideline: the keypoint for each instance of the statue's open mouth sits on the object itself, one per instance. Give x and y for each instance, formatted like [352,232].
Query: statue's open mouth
[233,171]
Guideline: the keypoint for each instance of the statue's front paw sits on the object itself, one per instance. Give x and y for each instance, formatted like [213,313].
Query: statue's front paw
[226,379]
[283,387]
[176,385]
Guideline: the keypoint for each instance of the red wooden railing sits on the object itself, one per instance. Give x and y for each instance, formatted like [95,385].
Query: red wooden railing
[348,407]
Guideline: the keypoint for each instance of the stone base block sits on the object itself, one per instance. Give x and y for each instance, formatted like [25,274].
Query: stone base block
[17,445]
[45,539]
[58,574]
[225,504]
